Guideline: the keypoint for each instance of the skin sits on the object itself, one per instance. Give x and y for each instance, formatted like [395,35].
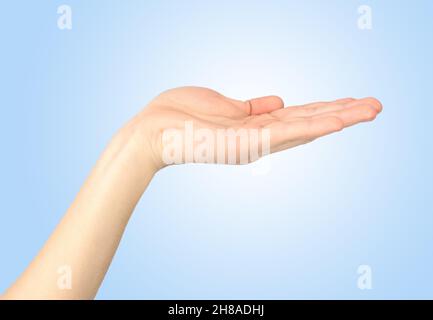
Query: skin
[88,235]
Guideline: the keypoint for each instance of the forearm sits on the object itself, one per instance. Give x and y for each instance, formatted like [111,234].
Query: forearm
[87,237]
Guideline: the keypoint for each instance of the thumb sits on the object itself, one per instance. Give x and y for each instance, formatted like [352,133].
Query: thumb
[263,105]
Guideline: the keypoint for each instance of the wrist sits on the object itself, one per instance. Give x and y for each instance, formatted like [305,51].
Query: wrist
[139,141]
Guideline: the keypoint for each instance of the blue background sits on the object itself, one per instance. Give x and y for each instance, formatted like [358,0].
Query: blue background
[299,231]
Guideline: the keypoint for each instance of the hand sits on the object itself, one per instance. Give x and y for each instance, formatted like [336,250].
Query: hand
[288,127]
[88,235]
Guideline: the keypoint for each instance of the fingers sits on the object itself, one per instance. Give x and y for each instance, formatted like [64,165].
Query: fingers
[359,112]
[325,108]
[311,108]
[373,102]
[286,134]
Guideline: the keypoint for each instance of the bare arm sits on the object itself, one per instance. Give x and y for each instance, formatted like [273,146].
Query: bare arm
[87,237]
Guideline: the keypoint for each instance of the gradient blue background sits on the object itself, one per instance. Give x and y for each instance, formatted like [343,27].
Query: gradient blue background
[299,231]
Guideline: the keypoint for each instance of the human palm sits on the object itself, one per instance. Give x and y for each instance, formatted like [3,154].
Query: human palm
[104,205]
[287,127]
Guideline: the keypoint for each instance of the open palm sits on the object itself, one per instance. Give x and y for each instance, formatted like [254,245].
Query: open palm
[288,127]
